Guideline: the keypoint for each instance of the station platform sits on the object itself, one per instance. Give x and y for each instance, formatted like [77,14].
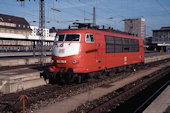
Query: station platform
[19,79]
[160,104]
[7,62]
[15,54]
[152,57]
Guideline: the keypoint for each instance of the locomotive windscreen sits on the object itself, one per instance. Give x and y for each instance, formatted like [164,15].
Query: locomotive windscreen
[67,37]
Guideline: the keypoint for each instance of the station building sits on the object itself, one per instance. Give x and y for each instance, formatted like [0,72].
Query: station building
[161,37]
[13,24]
[16,26]
[16,31]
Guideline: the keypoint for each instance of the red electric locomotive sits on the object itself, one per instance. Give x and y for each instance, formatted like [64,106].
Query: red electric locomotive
[80,53]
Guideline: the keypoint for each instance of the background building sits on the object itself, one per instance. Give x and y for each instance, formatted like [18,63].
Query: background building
[135,26]
[35,31]
[53,32]
[161,37]
[17,35]
[13,24]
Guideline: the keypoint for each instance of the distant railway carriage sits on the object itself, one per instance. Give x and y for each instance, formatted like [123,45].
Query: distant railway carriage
[79,52]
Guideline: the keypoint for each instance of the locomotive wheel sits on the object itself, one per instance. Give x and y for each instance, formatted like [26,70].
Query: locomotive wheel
[61,78]
[110,73]
[78,79]
[52,78]
[98,74]
[69,76]
[51,81]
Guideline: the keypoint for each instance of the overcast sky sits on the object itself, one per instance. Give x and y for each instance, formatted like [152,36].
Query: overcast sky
[108,12]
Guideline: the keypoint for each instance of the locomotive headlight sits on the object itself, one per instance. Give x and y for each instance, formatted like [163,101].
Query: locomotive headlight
[74,62]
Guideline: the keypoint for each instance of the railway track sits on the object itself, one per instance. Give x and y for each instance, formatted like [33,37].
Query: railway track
[49,92]
[117,97]
[43,95]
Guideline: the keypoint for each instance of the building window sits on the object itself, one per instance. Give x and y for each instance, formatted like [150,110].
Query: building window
[9,20]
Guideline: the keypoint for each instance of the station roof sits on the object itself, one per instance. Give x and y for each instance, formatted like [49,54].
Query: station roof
[13,19]
[163,29]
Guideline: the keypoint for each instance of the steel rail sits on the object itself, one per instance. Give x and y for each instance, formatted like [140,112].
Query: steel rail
[132,91]
[165,85]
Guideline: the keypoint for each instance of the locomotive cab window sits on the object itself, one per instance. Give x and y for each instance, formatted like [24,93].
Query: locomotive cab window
[72,37]
[59,38]
[89,38]
[68,38]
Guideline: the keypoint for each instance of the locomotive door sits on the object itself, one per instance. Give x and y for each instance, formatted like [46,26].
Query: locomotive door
[99,55]
[141,48]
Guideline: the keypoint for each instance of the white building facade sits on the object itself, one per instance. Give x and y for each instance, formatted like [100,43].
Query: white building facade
[135,26]
[34,29]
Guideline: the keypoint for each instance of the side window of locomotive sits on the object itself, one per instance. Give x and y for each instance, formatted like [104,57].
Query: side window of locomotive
[118,45]
[126,46]
[89,38]
[110,44]
[134,45]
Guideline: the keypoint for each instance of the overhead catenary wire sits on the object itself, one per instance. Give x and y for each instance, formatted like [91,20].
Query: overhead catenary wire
[68,12]
[164,8]
[101,20]
[74,10]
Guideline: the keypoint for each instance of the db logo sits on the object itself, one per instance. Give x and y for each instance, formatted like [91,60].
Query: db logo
[61,50]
